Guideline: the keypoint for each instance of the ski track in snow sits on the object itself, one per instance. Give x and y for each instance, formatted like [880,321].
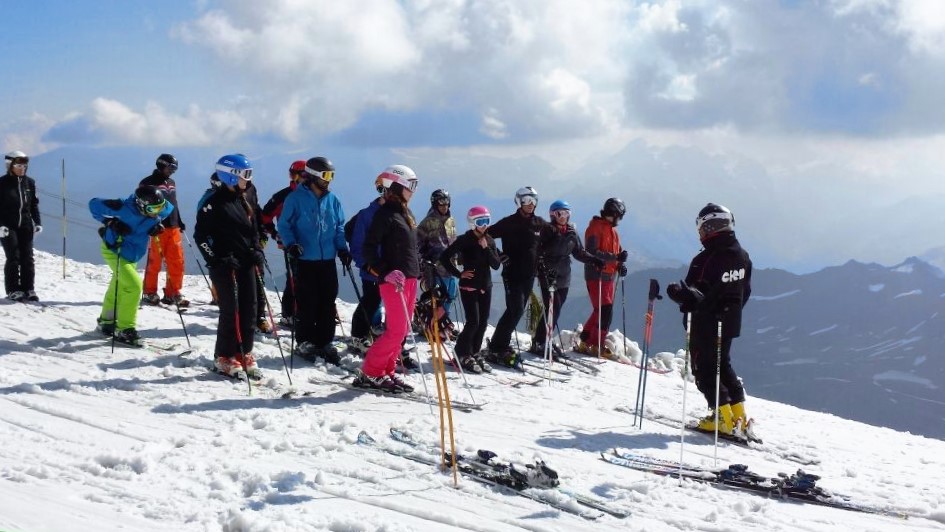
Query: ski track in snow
[146,440]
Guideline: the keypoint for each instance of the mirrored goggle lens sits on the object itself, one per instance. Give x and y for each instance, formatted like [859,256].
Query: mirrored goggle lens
[482,222]
[20,161]
[326,175]
[528,200]
[246,174]
[18,166]
[155,208]
[561,213]
[413,185]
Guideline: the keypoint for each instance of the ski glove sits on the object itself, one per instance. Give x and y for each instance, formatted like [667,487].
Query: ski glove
[259,258]
[4,232]
[119,227]
[181,225]
[396,278]
[294,251]
[37,229]
[597,262]
[156,230]
[504,259]
[622,256]
[345,257]
[622,270]
[687,297]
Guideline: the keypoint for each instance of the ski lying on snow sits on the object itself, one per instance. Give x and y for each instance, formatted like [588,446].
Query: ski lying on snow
[462,406]
[798,487]
[537,482]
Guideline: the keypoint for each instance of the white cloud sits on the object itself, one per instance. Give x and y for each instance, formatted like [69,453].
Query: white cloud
[26,135]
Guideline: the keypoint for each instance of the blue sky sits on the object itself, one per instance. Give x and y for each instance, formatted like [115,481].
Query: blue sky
[767,106]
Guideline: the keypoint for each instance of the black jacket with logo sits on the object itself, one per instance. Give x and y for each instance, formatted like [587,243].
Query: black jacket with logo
[557,244]
[391,243]
[722,272]
[226,226]
[480,260]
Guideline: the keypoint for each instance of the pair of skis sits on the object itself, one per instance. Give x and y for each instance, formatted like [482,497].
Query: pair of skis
[799,486]
[537,482]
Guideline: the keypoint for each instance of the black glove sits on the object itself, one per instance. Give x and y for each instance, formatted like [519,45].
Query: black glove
[687,297]
[228,263]
[156,230]
[345,257]
[294,251]
[597,262]
[119,227]
[622,270]
[181,225]
[504,259]
[622,256]
[259,258]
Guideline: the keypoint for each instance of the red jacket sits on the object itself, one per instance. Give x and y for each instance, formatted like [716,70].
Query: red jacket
[602,241]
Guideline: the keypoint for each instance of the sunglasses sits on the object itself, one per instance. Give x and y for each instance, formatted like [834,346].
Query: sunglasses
[482,222]
[528,200]
[326,175]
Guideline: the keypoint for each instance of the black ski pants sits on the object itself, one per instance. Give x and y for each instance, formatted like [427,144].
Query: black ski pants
[704,357]
[237,306]
[317,288]
[366,309]
[288,294]
[476,305]
[19,272]
[517,293]
[561,295]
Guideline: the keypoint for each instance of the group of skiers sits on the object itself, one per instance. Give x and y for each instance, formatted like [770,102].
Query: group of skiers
[398,259]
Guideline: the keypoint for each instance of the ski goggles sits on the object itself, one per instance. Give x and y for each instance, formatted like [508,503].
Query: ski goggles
[19,166]
[152,209]
[442,201]
[528,200]
[245,174]
[482,222]
[324,175]
[561,213]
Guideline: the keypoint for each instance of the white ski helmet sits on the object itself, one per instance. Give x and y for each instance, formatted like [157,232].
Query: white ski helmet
[15,155]
[400,174]
[526,196]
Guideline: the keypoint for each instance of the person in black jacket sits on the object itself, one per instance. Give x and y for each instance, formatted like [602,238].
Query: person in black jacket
[558,242]
[519,233]
[477,252]
[390,253]
[227,235]
[716,288]
[19,221]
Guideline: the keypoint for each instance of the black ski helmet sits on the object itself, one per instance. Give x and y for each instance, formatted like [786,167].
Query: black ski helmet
[440,197]
[714,219]
[614,207]
[164,160]
[149,199]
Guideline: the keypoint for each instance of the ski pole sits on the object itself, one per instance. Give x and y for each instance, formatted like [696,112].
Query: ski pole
[295,308]
[549,324]
[115,309]
[654,294]
[239,334]
[180,314]
[682,426]
[600,311]
[197,258]
[443,397]
[413,342]
[718,380]
[275,330]
[275,287]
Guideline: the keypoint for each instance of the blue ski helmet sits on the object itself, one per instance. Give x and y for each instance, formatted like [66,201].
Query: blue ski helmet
[232,167]
[559,205]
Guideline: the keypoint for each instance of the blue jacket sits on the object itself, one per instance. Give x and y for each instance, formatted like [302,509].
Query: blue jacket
[360,224]
[133,246]
[316,224]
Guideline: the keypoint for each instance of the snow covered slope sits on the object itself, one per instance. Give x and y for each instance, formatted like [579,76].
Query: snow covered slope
[148,440]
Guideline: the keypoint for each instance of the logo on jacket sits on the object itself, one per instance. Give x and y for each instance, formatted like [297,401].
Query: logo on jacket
[734,275]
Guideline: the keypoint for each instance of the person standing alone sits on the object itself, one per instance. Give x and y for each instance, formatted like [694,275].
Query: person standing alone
[19,221]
